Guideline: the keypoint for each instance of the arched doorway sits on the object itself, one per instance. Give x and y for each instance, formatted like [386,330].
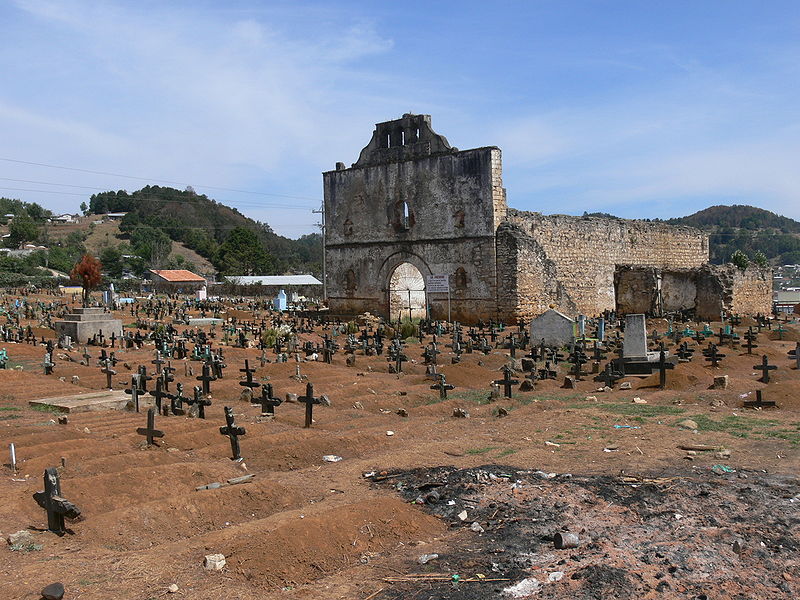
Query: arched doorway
[406,293]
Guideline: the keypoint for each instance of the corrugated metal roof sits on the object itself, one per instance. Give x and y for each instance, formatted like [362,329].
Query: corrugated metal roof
[177,275]
[274,280]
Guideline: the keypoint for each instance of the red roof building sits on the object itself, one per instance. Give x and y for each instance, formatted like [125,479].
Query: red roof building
[176,279]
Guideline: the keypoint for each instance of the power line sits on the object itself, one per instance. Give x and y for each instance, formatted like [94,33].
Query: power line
[210,187]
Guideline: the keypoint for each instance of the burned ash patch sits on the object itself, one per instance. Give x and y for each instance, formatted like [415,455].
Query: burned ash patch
[692,535]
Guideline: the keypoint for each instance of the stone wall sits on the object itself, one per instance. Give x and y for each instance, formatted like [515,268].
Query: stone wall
[586,251]
[706,291]
[421,202]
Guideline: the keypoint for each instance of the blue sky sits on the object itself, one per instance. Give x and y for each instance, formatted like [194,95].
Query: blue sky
[640,109]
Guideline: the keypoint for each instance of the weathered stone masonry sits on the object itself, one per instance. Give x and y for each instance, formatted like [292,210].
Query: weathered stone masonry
[412,198]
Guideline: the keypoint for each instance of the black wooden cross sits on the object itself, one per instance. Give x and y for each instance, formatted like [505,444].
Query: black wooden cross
[759,402]
[506,381]
[249,383]
[399,359]
[578,359]
[56,506]
[150,431]
[134,391]
[206,378]
[663,366]
[713,356]
[765,368]
[200,400]
[159,393]
[86,356]
[547,372]
[442,386]
[309,400]
[233,432]
[684,352]
[158,361]
[143,378]
[750,337]
[268,402]
[109,372]
[176,401]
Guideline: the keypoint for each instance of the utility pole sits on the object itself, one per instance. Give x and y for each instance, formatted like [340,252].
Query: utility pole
[321,212]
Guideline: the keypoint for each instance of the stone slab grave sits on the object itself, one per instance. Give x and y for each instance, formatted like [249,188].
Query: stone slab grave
[555,328]
[636,358]
[102,400]
[84,323]
[199,322]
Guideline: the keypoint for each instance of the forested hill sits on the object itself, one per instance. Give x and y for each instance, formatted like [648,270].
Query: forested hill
[234,243]
[749,229]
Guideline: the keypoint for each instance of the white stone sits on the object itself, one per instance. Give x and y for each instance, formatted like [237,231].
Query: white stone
[214,562]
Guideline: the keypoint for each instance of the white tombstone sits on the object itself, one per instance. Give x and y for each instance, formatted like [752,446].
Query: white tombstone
[202,293]
[634,346]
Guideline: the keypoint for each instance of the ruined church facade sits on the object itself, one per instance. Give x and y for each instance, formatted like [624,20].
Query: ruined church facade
[412,207]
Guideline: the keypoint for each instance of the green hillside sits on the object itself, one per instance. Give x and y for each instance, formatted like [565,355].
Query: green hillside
[749,229]
[234,243]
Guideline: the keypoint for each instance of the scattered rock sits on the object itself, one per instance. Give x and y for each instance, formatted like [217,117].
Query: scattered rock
[426,558]
[173,588]
[688,424]
[63,420]
[324,400]
[462,515]
[523,589]
[502,412]
[717,402]
[291,397]
[21,537]
[390,433]
[625,385]
[246,395]
[476,527]
[331,458]
[392,368]
[526,386]
[87,430]
[555,576]
[358,406]
[350,360]
[607,389]
[402,412]
[723,454]
[638,400]
[214,562]
[460,413]
[569,383]
[591,398]
[495,394]
[76,380]
[54,591]
[720,382]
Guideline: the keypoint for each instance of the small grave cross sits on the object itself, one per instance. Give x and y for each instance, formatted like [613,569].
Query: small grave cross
[233,432]
[56,506]
[108,372]
[759,402]
[506,381]
[663,366]
[249,383]
[150,431]
[206,378]
[765,368]
[309,400]
[159,393]
[134,391]
[267,401]
[200,400]
[442,386]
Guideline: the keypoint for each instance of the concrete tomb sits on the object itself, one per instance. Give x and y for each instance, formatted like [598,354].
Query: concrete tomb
[85,323]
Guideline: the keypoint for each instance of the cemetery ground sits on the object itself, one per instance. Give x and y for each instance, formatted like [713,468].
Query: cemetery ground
[660,508]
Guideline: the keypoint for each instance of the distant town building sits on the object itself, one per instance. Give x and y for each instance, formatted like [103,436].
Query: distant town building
[176,280]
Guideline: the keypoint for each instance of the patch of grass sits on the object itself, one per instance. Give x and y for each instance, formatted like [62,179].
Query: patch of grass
[475,396]
[639,410]
[26,547]
[8,408]
[474,451]
[506,452]
[746,427]
[9,417]
[46,408]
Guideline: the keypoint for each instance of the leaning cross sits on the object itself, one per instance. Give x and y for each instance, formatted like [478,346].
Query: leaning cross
[233,432]
[506,381]
[765,368]
[309,400]
[200,400]
[663,366]
[56,506]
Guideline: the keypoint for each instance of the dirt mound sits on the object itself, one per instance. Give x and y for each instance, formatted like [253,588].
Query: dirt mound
[676,380]
[328,541]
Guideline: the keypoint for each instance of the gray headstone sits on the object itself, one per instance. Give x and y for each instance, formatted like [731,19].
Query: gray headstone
[556,328]
[635,343]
